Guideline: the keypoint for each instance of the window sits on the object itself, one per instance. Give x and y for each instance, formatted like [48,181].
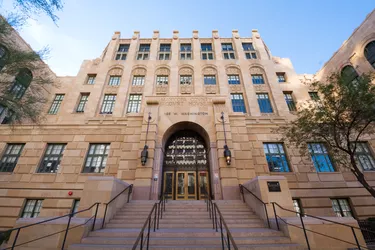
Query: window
[75,206]
[276,157]
[320,157]
[161,80]
[238,103]
[82,102]
[233,79]
[350,75]
[297,206]
[364,156]
[32,208]
[91,79]
[209,80]
[6,115]
[264,103]
[3,56]
[10,157]
[114,80]
[186,80]
[257,79]
[314,96]
[185,51]
[138,80]
[206,51]
[249,51]
[228,51]
[134,104]
[251,55]
[56,104]
[108,104]
[289,101]
[341,207]
[96,159]
[370,53]
[21,83]
[281,77]
[165,52]
[51,159]
[122,52]
[143,53]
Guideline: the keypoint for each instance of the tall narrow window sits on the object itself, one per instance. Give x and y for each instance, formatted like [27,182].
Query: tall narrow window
[228,51]
[370,53]
[6,115]
[32,208]
[289,101]
[122,52]
[138,80]
[185,51]
[165,52]
[108,104]
[276,157]
[114,80]
[186,80]
[264,103]
[134,104]
[281,77]
[75,206]
[257,79]
[297,206]
[209,79]
[238,103]
[233,79]
[341,207]
[206,51]
[144,52]
[364,156]
[320,157]
[56,104]
[10,157]
[82,102]
[161,80]
[21,83]
[96,159]
[51,159]
[314,96]
[350,74]
[249,51]
[91,79]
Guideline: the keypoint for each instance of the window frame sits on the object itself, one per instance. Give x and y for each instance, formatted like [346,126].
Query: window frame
[209,80]
[134,104]
[50,158]
[289,99]
[368,153]
[207,53]
[326,155]
[33,211]
[162,80]
[341,211]
[184,82]
[104,155]
[105,103]
[286,168]
[114,80]
[122,54]
[186,54]
[236,81]
[82,102]
[314,95]
[91,79]
[370,54]
[56,103]
[261,103]
[281,77]
[143,52]
[238,104]
[75,207]
[138,80]
[257,79]
[9,148]
[299,206]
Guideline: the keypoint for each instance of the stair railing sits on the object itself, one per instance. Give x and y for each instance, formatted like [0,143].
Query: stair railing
[130,190]
[302,215]
[242,189]
[227,241]
[66,230]
[161,207]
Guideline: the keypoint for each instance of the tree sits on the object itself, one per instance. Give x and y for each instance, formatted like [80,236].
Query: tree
[342,118]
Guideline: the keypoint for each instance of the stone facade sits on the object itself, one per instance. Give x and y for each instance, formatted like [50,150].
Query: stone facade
[175,107]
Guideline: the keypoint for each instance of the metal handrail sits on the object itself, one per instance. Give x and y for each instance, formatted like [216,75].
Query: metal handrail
[301,215]
[70,215]
[264,203]
[141,233]
[130,187]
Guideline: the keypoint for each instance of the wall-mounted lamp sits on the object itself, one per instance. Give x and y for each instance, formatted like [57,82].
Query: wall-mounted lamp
[227,153]
[144,153]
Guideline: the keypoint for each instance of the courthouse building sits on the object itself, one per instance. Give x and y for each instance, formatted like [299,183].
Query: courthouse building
[204,108]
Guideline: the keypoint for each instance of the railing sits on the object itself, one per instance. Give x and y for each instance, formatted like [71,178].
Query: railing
[66,230]
[242,188]
[130,188]
[301,215]
[152,221]
[213,210]
[367,226]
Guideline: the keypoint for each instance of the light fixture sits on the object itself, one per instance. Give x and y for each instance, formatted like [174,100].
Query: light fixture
[144,153]
[227,153]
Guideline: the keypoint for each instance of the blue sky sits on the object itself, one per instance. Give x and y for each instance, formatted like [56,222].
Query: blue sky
[306,31]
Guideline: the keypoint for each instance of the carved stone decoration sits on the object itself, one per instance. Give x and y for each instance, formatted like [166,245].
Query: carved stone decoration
[135,35]
[115,72]
[175,34]
[186,89]
[155,35]
[139,72]
[209,71]
[111,89]
[162,71]
[260,87]
[232,71]
[186,71]
[137,89]
[195,34]
[256,70]
[210,89]
[236,88]
[205,40]
[161,89]
[215,34]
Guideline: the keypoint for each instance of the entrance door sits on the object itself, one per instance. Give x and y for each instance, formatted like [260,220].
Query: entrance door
[203,184]
[169,184]
[186,187]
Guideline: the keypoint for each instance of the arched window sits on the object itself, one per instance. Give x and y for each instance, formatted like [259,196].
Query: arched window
[349,73]
[370,53]
[21,83]
[3,55]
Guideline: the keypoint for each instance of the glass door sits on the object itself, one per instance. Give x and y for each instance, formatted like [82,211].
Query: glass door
[186,188]
[168,184]
[203,184]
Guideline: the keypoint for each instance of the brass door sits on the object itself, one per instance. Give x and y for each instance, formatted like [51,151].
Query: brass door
[203,184]
[186,186]
[168,184]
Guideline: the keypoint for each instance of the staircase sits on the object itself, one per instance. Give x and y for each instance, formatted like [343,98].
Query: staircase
[186,225]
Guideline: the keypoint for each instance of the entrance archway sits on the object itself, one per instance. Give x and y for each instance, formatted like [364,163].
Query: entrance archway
[186,174]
